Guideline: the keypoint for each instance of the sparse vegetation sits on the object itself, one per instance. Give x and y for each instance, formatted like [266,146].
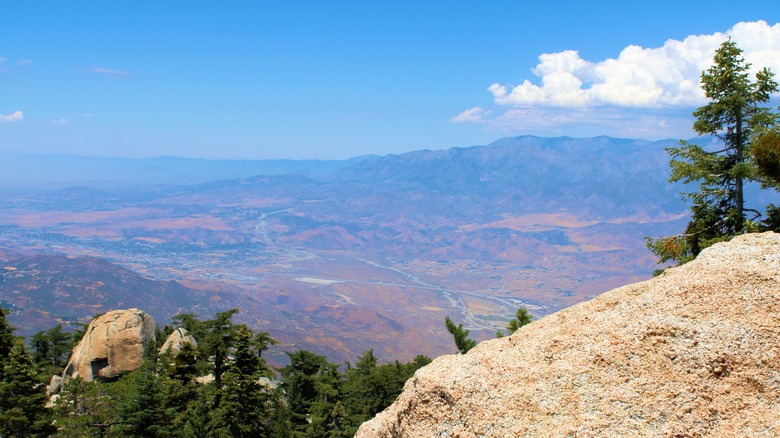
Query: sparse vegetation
[522,318]
[460,336]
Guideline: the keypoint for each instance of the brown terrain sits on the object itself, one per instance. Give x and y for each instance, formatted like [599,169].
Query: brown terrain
[690,353]
[373,255]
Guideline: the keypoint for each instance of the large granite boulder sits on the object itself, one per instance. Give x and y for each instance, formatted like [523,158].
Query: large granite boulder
[693,352]
[113,344]
[176,340]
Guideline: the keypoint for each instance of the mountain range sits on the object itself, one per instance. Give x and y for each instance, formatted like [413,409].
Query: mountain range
[339,257]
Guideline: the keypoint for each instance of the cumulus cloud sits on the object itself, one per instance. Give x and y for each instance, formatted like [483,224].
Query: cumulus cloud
[13,117]
[473,115]
[110,71]
[643,92]
[666,76]
[61,121]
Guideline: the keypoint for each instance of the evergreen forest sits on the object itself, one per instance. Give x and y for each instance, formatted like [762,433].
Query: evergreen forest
[220,387]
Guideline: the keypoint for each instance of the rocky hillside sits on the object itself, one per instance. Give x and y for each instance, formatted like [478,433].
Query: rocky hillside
[693,352]
[44,290]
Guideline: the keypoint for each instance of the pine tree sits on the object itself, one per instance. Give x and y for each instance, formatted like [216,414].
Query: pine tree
[736,117]
[460,335]
[244,411]
[51,349]
[141,405]
[179,386]
[327,414]
[22,397]
[89,408]
[299,381]
[522,318]
[363,389]
[6,340]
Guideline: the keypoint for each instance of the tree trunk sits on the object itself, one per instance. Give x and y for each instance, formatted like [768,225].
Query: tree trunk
[739,197]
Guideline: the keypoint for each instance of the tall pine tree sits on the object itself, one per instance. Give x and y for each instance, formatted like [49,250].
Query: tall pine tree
[735,115]
[244,411]
[6,340]
[23,397]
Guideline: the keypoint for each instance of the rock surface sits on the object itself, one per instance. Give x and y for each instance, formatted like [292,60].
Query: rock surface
[113,344]
[54,386]
[693,352]
[176,340]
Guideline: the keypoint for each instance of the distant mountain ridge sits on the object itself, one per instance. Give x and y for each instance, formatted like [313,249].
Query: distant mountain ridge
[531,169]
[41,171]
[374,253]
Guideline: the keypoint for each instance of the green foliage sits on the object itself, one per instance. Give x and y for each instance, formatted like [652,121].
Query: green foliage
[164,398]
[235,404]
[300,379]
[462,342]
[522,318]
[323,402]
[51,349]
[216,339]
[369,388]
[736,117]
[6,340]
[141,410]
[327,414]
[244,410]
[766,153]
[98,409]
[22,397]
[772,220]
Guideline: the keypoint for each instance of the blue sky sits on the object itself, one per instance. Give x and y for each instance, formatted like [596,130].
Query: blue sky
[313,79]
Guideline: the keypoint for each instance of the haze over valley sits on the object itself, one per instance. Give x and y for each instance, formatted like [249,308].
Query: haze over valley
[367,253]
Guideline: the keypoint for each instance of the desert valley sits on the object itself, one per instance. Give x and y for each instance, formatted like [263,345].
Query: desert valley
[339,257]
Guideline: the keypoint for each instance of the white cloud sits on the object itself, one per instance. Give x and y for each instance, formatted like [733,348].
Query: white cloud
[473,115]
[2,59]
[110,71]
[88,115]
[13,117]
[61,121]
[24,62]
[666,76]
[587,122]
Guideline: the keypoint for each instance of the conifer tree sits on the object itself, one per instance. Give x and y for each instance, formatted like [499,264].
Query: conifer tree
[299,381]
[179,385]
[736,117]
[218,337]
[522,318]
[363,388]
[215,341]
[460,335]
[6,340]
[22,397]
[327,415]
[51,349]
[141,410]
[244,411]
